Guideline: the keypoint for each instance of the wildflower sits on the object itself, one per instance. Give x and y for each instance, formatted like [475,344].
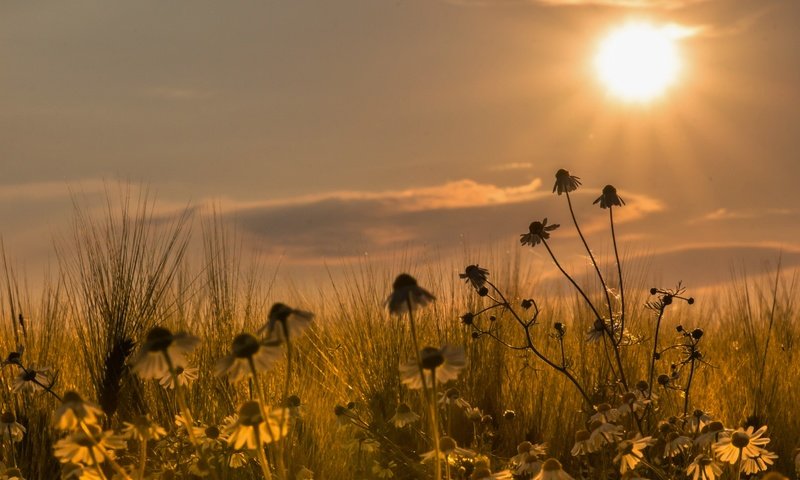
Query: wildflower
[603,433]
[528,466]
[537,233]
[32,379]
[12,431]
[162,352]
[759,463]
[582,445]
[285,323]
[250,429]
[741,443]
[304,474]
[609,198]
[12,473]
[403,416]
[631,403]
[74,471]
[75,410]
[185,377]
[704,467]
[676,444]
[630,453]
[447,447]
[709,434]
[605,413]
[405,291]
[475,275]
[239,460]
[247,354]
[142,429]
[596,332]
[444,364]
[565,182]
[527,448]
[698,420]
[551,470]
[89,448]
[200,467]
[453,397]
[384,468]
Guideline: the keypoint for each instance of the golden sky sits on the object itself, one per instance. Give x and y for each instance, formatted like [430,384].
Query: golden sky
[326,129]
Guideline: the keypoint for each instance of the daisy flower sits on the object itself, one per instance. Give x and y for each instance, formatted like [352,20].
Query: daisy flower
[609,198]
[631,403]
[551,470]
[185,376]
[741,443]
[759,463]
[12,431]
[527,448]
[565,182]
[710,434]
[447,447]
[142,429]
[704,467]
[285,323]
[440,364]
[250,429]
[74,410]
[604,413]
[583,445]
[537,233]
[676,444]
[82,448]
[698,420]
[603,434]
[73,471]
[32,379]
[404,291]
[383,468]
[475,275]
[162,351]
[247,354]
[629,453]
[403,416]
[452,397]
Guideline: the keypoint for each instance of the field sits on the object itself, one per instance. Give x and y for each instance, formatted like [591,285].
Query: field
[137,303]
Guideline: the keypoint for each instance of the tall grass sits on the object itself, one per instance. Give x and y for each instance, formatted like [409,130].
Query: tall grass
[130,269]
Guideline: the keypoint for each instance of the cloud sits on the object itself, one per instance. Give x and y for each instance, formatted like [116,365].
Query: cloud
[344,224]
[723,214]
[506,167]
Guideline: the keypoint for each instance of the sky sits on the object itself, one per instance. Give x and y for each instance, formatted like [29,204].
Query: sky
[325,131]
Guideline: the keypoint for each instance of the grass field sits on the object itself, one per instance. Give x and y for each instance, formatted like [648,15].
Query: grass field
[727,356]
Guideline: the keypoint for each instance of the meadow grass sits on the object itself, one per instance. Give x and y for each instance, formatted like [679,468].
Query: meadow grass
[127,272]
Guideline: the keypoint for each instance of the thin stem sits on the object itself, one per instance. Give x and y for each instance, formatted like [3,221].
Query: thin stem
[97,465]
[594,262]
[619,274]
[435,424]
[655,351]
[594,310]
[142,458]
[688,385]
[11,447]
[117,468]
[281,469]
[262,455]
[287,383]
[769,336]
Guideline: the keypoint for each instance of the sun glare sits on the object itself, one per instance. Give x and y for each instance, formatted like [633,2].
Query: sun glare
[638,61]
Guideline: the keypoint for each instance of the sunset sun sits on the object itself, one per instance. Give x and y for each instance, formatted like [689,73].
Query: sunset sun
[638,62]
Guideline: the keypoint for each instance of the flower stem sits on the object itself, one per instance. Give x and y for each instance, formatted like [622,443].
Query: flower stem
[262,456]
[435,425]
[619,274]
[142,458]
[117,468]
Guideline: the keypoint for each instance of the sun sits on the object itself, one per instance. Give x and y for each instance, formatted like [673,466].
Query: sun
[638,62]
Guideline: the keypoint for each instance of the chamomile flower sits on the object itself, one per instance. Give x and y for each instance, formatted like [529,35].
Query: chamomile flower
[383,468]
[711,433]
[631,403]
[565,182]
[629,453]
[74,471]
[551,470]
[447,448]
[88,449]
[603,434]
[285,323]
[247,354]
[185,376]
[74,410]
[12,473]
[744,443]
[162,351]
[759,463]
[11,430]
[32,379]
[405,290]
[475,275]
[583,445]
[704,467]
[527,448]
[403,416]
[609,198]
[142,429]
[452,396]
[676,444]
[251,430]
[699,419]
[439,364]
[604,413]
[537,233]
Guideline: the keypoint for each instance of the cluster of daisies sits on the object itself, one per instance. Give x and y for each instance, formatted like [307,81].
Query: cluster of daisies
[252,436]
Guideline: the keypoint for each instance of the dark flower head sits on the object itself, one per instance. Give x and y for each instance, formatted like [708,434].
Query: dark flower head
[475,275]
[285,322]
[537,233]
[565,182]
[405,291]
[609,198]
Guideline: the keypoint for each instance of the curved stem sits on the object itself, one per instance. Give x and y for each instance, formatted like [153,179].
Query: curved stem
[688,385]
[594,262]
[608,331]
[142,458]
[435,425]
[262,456]
[11,447]
[265,415]
[619,274]
[117,468]
[655,351]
